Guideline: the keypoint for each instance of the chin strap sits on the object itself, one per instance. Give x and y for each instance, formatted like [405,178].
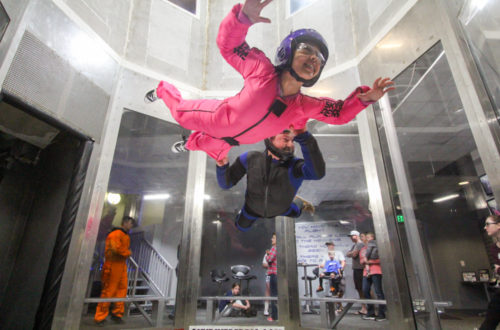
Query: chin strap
[307,83]
[296,76]
[283,156]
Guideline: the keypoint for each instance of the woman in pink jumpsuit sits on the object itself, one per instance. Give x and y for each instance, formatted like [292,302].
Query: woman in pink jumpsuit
[270,100]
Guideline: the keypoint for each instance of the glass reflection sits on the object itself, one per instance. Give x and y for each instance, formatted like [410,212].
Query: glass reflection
[482,26]
[341,202]
[443,167]
[151,183]
[229,253]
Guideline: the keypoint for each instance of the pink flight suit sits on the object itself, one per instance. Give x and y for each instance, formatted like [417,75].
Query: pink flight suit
[249,116]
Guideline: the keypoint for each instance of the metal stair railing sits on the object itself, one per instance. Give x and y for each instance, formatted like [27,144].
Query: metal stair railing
[154,267]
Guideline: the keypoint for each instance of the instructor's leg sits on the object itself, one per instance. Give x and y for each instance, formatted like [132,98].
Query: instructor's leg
[294,211]
[244,220]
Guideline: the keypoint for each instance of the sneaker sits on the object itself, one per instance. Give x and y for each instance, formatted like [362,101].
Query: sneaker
[100,323]
[270,319]
[319,289]
[332,289]
[150,96]
[179,147]
[368,317]
[117,319]
[266,313]
[380,318]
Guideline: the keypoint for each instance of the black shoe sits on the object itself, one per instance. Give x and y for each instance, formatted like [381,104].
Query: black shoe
[100,323]
[368,317]
[171,317]
[117,319]
[380,318]
[319,289]
[150,96]
[179,147]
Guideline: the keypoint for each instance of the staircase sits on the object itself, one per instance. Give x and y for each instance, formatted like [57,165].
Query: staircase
[150,278]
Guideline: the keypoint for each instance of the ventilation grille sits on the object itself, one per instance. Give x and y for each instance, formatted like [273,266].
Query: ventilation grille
[45,81]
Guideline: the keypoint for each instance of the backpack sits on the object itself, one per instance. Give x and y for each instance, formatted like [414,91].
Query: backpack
[372,251]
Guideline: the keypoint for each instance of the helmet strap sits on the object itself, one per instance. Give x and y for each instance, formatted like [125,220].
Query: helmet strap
[283,156]
[296,76]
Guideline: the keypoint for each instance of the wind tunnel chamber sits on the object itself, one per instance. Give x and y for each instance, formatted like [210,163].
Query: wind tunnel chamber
[88,64]
[42,169]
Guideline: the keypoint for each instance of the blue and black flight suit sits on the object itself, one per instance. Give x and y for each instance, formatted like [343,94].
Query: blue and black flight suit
[272,184]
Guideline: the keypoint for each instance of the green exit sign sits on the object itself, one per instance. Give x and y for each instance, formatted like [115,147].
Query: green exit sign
[400,218]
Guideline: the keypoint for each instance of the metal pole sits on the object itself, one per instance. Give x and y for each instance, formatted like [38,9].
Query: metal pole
[411,228]
[288,285]
[397,293]
[190,252]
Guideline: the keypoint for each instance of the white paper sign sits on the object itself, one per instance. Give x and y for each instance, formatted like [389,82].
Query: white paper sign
[233,327]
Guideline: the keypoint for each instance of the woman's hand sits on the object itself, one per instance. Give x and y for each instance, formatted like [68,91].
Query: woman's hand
[252,9]
[222,162]
[380,87]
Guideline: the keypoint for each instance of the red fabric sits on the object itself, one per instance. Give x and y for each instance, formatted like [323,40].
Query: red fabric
[373,264]
[495,254]
[214,119]
[362,260]
[272,262]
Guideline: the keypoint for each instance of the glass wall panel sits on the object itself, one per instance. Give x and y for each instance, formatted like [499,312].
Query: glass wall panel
[340,201]
[341,205]
[229,255]
[481,22]
[443,169]
[147,182]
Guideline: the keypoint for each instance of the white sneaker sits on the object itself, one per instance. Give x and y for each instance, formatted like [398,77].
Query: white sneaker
[179,147]
[150,96]
[266,313]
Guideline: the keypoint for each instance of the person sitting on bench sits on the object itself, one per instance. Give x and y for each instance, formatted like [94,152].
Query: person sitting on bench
[333,270]
[234,307]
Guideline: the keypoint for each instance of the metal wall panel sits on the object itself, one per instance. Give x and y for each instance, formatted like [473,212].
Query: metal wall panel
[47,82]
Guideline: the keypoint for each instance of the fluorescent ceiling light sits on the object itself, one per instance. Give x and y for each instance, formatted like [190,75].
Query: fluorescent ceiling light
[152,197]
[479,4]
[445,198]
[114,199]
[388,46]
[463,183]
[344,222]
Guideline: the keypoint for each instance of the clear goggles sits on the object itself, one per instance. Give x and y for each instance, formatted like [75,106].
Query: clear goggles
[309,50]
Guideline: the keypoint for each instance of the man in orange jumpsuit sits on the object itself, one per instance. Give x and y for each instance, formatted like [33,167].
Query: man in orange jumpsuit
[114,271]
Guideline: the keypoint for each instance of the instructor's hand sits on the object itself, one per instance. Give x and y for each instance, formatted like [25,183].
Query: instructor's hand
[252,9]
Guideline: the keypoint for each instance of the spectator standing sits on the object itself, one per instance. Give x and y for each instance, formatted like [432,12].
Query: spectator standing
[492,228]
[272,272]
[357,267]
[373,277]
[114,272]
